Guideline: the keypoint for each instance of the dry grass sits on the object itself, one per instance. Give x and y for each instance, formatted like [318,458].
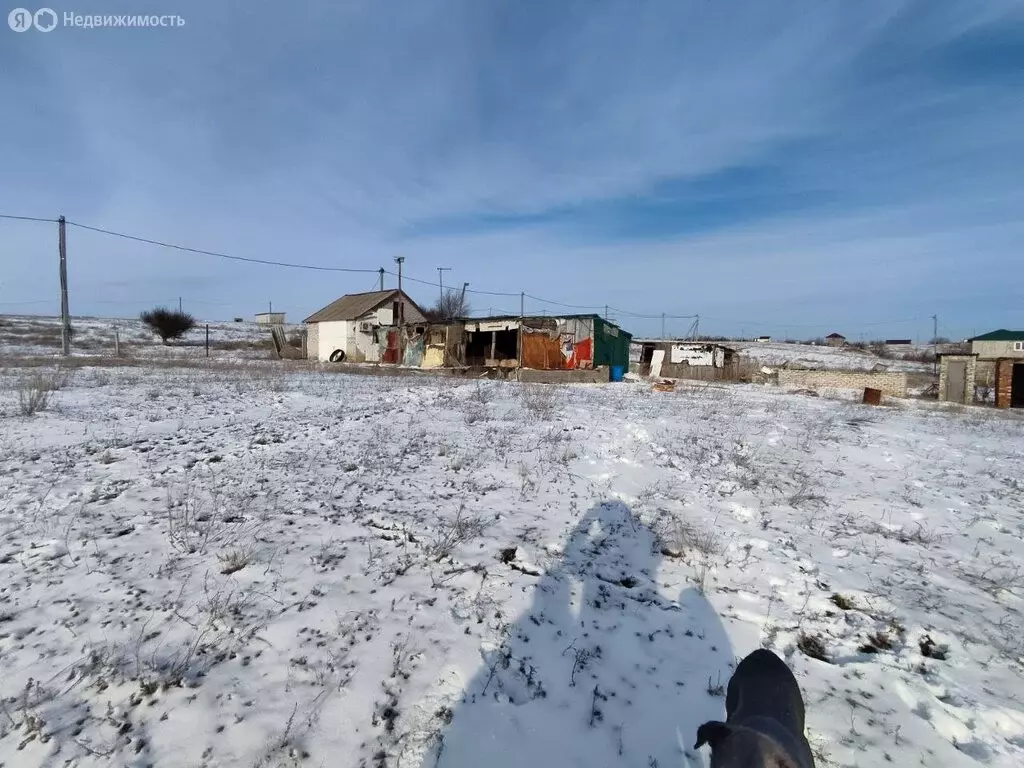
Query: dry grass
[540,400]
[34,389]
[813,646]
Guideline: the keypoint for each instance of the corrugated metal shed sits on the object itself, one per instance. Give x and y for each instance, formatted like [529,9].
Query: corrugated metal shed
[611,343]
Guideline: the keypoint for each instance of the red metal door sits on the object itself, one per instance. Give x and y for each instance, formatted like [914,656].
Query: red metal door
[391,353]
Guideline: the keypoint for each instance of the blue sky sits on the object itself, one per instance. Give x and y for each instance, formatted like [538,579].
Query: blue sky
[790,167]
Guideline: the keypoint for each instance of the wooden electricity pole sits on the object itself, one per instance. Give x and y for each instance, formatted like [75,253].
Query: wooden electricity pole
[401,303]
[440,279]
[65,314]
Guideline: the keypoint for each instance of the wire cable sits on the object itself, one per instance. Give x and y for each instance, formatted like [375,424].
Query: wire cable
[202,252]
[434,284]
[25,218]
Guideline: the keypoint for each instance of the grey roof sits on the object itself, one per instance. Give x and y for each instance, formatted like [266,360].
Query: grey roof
[352,306]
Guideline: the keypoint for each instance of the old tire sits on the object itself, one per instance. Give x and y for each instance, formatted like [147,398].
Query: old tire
[337,356]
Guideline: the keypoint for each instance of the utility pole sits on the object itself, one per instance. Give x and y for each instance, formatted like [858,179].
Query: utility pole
[662,325]
[519,336]
[440,279]
[382,278]
[270,306]
[935,343]
[696,328]
[65,314]
[179,305]
[399,260]
[462,299]
[606,312]
[401,304]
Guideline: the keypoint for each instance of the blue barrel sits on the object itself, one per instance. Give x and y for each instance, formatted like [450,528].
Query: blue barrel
[617,372]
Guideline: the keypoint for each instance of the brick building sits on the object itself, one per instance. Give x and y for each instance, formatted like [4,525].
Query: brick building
[1009,382]
[992,346]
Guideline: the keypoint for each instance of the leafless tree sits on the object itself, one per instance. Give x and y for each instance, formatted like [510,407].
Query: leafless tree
[453,304]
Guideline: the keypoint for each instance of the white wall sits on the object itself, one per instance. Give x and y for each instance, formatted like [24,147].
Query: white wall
[363,348]
[345,335]
[313,341]
[685,353]
[990,350]
[331,336]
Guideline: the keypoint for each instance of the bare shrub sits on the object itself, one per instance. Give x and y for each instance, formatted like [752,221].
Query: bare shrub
[451,533]
[234,560]
[678,536]
[482,393]
[167,323]
[880,349]
[34,389]
[806,491]
[540,400]
[197,518]
[696,544]
[813,646]
[219,623]
[474,411]
[849,525]
[33,395]
[996,576]
[843,602]
[876,642]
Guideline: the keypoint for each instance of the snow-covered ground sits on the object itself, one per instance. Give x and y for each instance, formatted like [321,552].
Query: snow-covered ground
[32,335]
[252,568]
[836,358]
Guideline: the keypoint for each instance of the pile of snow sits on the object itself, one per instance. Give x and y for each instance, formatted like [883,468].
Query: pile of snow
[253,568]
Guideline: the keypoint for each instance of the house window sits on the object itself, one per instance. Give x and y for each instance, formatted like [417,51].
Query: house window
[1018,346]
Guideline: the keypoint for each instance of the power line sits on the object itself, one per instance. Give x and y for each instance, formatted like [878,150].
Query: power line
[434,284]
[292,265]
[438,284]
[651,316]
[560,304]
[202,252]
[26,218]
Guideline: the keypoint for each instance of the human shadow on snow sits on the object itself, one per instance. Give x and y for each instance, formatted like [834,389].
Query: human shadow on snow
[601,670]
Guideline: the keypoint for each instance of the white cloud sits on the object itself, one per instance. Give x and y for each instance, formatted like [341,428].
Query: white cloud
[320,135]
